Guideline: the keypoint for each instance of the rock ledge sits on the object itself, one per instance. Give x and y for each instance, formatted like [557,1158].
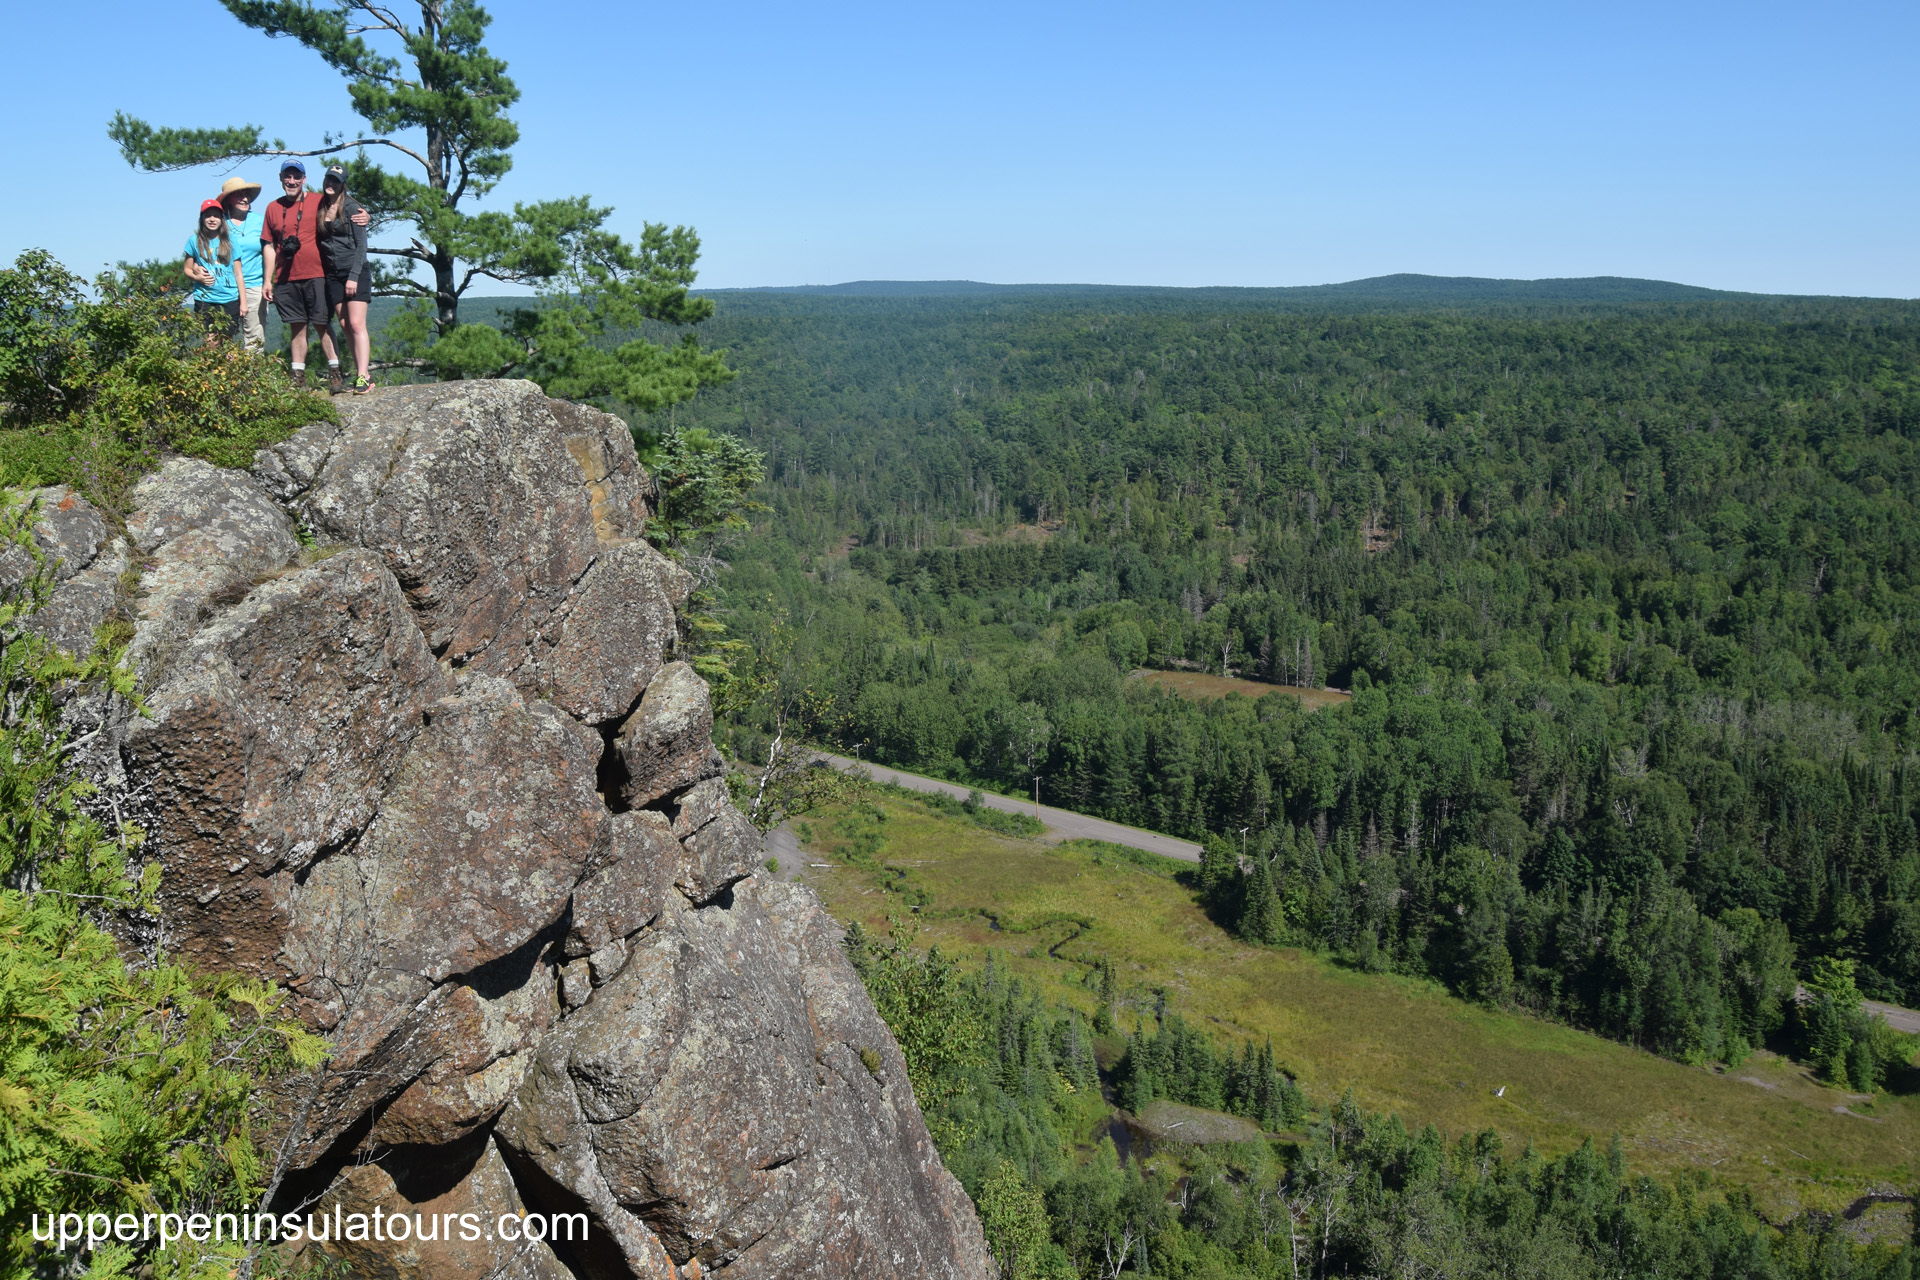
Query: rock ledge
[417,749]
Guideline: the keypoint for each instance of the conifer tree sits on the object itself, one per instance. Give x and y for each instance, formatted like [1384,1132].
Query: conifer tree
[1219,860]
[1260,919]
[1103,1020]
[1136,1074]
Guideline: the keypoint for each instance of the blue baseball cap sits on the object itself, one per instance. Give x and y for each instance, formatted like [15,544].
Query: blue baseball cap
[294,166]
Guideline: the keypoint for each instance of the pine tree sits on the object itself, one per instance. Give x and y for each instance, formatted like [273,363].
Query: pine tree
[1260,917]
[1219,863]
[1136,1075]
[1103,1023]
[436,99]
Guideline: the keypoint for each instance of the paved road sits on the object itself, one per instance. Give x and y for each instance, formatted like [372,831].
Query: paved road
[1905,1020]
[1061,824]
[1899,1019]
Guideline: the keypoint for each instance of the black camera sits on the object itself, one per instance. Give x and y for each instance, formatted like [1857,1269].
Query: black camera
[290,244]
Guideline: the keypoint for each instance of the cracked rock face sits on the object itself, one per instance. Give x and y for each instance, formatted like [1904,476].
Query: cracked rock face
[512,523]
[428,1187]
[620,1105]
[397,682]
[667,744]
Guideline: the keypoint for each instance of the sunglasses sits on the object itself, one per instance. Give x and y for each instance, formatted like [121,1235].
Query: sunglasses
[291,178]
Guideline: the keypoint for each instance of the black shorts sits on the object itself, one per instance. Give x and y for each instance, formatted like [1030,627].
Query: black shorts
[222,318]
[337,289]
[301,301]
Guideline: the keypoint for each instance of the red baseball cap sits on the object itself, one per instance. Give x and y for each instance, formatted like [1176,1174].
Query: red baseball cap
[213,206]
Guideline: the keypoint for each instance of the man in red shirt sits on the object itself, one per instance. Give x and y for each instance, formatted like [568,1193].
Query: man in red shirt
[296,282]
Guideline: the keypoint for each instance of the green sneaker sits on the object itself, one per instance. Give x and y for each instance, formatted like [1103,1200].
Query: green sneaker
[361,385]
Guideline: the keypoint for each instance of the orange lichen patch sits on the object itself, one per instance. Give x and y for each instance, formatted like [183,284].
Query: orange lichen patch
[592,460]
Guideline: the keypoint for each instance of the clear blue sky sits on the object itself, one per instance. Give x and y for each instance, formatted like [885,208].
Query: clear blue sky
[1750,146]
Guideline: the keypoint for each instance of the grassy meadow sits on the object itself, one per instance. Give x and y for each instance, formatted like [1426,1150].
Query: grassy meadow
[1197,686]
[1401,1044]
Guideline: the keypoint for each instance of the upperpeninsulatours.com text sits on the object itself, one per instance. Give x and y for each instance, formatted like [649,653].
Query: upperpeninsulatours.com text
[92,1230]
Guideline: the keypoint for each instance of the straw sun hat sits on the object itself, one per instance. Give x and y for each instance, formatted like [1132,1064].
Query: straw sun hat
[236,186]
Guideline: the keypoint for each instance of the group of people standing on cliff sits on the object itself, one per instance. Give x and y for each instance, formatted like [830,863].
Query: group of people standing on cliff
[305,252]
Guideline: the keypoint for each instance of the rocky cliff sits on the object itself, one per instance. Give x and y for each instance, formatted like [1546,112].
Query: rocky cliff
[415,747]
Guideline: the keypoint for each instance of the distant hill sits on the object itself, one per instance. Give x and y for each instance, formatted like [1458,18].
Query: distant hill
[1401,289]
[1406,292]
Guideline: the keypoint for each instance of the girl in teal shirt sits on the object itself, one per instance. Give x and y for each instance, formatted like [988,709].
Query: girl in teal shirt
[211,248]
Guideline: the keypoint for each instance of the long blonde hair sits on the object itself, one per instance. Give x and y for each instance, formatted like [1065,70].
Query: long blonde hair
[205,241]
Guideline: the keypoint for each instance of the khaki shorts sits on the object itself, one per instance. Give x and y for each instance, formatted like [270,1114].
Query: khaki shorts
[253,317]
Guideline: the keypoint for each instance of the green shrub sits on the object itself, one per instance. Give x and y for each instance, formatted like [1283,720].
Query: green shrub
[124,1088]
[96,387]
[974,809]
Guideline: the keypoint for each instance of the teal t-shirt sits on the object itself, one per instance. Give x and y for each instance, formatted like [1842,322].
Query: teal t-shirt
[246,245]
[223,289]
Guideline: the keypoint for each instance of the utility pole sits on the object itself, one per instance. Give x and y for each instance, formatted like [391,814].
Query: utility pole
[1036,795]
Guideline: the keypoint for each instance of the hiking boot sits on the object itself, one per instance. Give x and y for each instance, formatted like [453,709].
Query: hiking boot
[335,383]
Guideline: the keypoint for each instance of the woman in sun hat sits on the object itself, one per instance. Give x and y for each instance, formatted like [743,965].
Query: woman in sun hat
[246,219]
[210,248]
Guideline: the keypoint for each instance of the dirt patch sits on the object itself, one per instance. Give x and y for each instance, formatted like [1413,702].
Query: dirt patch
[1176,1122]
[1015,533]
[1200,686]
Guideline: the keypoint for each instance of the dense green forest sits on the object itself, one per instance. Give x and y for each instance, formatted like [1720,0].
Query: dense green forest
[1625,592]
[1009,1084]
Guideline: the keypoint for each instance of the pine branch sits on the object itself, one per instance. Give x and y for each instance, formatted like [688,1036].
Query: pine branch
[357,142]
[383,20]
[172,150]
[417,255]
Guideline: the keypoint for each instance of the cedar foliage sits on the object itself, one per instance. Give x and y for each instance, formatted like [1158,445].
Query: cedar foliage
[125,1088]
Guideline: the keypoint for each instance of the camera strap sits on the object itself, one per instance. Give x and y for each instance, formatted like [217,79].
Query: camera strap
[299,217]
